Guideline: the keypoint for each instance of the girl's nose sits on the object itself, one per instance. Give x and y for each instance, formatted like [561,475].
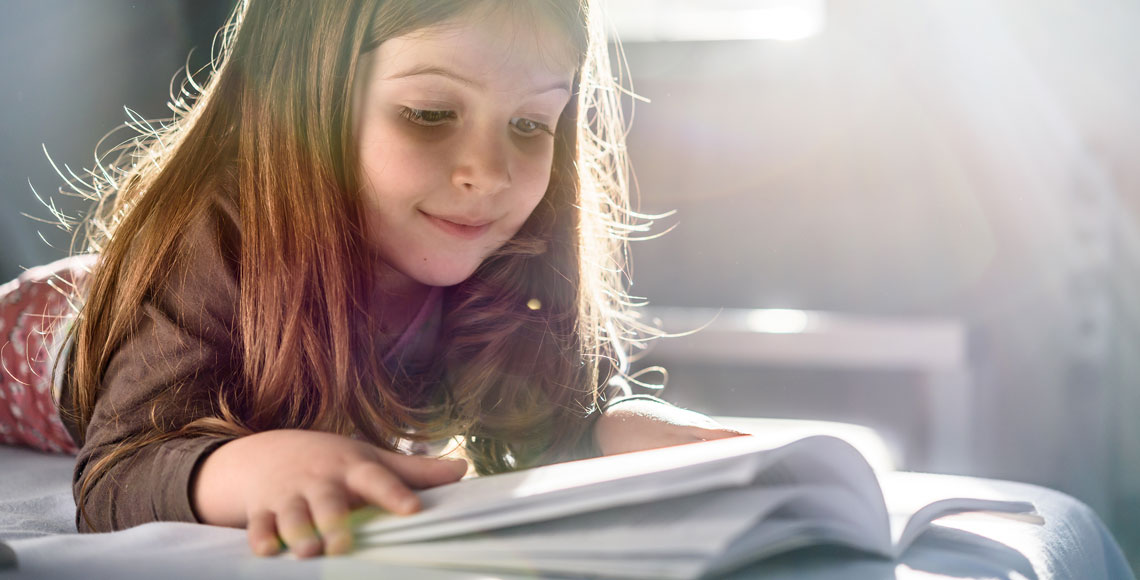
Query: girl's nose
[483,165]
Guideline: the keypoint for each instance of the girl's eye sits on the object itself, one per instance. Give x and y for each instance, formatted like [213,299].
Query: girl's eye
[528,127]
[426,117]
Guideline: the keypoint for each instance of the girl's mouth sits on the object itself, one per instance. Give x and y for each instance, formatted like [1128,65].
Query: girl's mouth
[459,230]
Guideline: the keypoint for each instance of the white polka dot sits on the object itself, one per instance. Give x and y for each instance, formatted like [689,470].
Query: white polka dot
[16,412]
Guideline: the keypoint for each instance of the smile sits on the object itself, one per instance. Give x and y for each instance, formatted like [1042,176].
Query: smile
[465,231]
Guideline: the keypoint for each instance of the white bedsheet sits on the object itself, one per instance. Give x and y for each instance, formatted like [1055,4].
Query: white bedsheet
[37,520]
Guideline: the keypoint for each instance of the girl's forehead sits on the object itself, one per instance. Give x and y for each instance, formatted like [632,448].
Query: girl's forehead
[495,48]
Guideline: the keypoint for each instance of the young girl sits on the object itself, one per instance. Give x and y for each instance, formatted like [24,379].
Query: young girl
[382,223]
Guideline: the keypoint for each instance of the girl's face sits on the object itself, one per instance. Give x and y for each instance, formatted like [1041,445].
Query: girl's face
[454,128]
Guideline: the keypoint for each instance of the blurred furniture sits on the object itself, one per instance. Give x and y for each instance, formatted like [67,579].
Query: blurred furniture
[935,348]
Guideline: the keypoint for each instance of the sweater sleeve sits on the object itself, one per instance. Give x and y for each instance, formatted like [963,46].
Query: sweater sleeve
[184,339]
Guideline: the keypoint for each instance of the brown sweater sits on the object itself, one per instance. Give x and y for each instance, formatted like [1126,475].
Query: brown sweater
[186,335]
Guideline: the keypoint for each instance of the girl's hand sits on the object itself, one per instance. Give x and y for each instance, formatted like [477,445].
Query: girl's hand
[302,485]
[641,424]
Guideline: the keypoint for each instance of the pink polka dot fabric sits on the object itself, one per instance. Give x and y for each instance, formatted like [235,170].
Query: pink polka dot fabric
[34,311]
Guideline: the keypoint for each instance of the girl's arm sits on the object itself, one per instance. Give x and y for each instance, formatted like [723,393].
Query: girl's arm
[641,422]
[163,375]
[181,351]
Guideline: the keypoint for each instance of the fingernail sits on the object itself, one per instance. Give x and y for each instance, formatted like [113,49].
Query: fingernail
[338,543]
[307,547]
[409,504]
[268,547]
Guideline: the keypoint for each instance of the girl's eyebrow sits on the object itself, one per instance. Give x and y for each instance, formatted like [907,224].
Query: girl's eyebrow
[431,70]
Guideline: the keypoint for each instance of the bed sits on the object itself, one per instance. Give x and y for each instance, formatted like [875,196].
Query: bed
[38,527]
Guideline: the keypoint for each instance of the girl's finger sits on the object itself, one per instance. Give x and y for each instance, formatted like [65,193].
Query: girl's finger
[262,534]
[421,472]
[379,486]
[330,511]
[295,525]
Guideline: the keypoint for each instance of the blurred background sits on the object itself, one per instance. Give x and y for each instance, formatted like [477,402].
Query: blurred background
[915,216]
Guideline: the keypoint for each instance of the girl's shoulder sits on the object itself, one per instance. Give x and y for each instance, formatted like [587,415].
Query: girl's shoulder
[211,241]
[199,283]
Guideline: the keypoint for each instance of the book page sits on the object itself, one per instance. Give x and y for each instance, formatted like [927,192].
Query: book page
[490,502]
[670,567]
[684,538]
[913,508]
[701,524]
[904,530]
[680,538]
[567,489]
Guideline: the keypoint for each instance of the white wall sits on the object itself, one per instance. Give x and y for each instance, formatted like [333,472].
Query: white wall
[972,159]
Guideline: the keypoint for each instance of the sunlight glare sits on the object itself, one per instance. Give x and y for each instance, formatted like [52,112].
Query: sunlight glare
[777,320]
[691,20]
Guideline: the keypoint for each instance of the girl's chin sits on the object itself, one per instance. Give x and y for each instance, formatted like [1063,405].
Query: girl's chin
[443,276]
[431,268]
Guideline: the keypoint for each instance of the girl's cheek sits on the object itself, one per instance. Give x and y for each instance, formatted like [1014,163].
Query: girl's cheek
[399,152]
[540,166]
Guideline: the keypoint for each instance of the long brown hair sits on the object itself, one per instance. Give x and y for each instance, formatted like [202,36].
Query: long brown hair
[528,338]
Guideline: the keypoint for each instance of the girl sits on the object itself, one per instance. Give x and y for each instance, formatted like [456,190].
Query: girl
[382,223]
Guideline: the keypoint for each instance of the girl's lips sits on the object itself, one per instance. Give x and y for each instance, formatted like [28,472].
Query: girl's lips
[458,230]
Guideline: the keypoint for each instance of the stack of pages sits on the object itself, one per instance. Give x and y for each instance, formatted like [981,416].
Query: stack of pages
[679,512]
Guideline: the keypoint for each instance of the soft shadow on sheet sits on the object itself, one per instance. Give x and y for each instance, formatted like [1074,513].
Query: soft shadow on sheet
[944,552]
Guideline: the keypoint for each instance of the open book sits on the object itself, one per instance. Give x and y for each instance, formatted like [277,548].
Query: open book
[678,512]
